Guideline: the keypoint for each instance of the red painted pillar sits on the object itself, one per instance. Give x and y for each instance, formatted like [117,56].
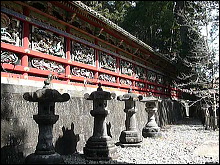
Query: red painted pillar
[68,56]
[133,81]
[134,65]
[24,58]
[117,68]
[96,77]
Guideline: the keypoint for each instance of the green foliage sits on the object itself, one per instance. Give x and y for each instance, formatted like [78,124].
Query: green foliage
[112,10]
[153,23]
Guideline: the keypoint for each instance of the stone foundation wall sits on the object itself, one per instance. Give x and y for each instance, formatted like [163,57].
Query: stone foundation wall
[19,132]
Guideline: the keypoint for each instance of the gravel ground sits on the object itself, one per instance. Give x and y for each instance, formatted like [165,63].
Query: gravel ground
[179,144]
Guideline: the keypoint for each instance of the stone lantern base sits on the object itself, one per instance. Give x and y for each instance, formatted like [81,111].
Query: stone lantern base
[100,149]
[44,159]
[130,139]
[151,132]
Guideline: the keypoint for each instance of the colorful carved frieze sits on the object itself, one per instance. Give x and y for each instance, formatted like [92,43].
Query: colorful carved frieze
[151,76]
[126,68]
[49,8]
[107,61]
[8,57]
[47,65]
[107,77]
[11,30]
[111,39]
[151,87]
[81,72]
[82,53]
[125,81]
[160,79]
[140,73]
[139,84]
[47,42]
[106,47]
[160,89]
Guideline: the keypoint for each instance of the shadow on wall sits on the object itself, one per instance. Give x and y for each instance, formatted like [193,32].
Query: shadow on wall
[169,112]
[66,144]
[108,125]
[11,154]
[12,135]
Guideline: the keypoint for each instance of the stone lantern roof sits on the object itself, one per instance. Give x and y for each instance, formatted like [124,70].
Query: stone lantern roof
[46,94]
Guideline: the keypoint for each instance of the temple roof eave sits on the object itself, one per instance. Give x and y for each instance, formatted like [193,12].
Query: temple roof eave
[118,28]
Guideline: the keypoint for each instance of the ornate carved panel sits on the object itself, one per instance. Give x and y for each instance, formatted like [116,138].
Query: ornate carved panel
[127,68]
[125,81]
[167,82]
[47,42]
[82,53]
[151,76]
[139,84]
[160,89]
[9,57]
[47,65]
[107,77]
[81,72]
[11,30]
[160,79]
[107,61]
[151,87]
[140,73]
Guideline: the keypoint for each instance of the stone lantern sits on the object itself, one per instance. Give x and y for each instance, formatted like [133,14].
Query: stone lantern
[207,122]
[151,129]
[100,145]
[46,98]
[130,137]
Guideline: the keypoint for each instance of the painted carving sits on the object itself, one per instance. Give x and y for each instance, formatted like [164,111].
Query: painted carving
[160,79]
[140,73]
[83,53]
[107,77]
[80,72]
[139,84]
[151,76]
[11,30]
[166,82]
[125,81]
[151,87]
[47,42]
[8,57]
[160,89]
[126,68]
[107,61]
[47,65]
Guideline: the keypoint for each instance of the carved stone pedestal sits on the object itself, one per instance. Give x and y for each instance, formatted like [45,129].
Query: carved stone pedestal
[100,145]
[130,137]
[151,129]
[46,98]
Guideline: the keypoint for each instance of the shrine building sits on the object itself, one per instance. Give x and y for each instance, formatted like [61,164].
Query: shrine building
[80,48]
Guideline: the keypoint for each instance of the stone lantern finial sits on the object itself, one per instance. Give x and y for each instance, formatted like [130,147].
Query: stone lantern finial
[99,88]
[48,80]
